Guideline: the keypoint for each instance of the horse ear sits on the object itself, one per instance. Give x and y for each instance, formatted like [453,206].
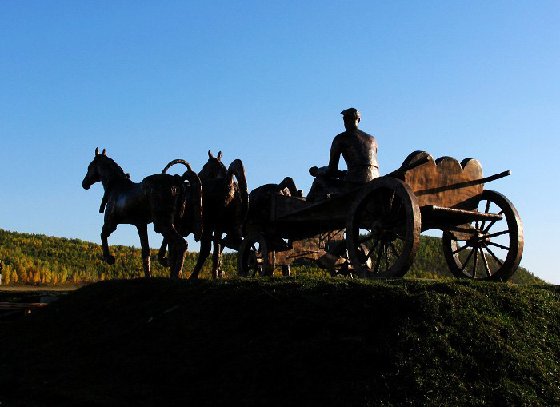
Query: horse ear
[96,150]
[104,152]
[210,154]
[219,156]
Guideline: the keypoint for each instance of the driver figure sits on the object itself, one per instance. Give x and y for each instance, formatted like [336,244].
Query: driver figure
[358,149]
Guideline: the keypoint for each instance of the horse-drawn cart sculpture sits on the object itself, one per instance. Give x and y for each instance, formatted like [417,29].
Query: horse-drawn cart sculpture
[482,232]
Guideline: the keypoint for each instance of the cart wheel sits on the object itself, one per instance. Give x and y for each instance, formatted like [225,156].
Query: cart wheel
[490,250]
[253,257]
[383,229]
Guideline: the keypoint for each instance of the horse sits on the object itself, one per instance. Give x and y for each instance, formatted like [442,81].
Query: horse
[155,199]
[225,204]
[260,197]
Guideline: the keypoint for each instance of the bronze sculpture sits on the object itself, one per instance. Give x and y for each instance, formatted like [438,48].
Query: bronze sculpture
[383,219]
[224,207]
[354,222]
[156,199]
[370,226]
[359,151]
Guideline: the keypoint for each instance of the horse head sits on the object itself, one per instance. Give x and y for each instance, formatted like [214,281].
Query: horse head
[102,169]
[93,174]
[214,168]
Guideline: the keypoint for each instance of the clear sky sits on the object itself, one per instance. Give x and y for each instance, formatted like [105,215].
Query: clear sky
[265,81]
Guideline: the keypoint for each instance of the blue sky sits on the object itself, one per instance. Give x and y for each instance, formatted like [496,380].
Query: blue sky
[151,81]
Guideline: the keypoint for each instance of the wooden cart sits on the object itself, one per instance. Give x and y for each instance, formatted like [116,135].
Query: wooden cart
[375,230]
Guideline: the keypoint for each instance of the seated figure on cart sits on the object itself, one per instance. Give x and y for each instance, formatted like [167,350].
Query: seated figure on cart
[358,149]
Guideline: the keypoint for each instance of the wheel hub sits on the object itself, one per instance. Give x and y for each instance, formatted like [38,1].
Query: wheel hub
[382,234]
[253,260]
[480,239]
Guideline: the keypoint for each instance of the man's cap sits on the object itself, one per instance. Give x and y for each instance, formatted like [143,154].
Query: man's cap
[354,113]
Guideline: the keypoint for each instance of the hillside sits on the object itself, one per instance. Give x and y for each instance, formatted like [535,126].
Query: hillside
[39,259]
[285,342]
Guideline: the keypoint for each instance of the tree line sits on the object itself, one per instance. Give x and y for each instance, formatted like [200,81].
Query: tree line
[44,260]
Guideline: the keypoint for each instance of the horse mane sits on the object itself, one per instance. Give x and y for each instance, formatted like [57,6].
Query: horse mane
[237,170]
[113,167]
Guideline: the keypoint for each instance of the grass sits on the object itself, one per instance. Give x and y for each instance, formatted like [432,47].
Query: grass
[297,341]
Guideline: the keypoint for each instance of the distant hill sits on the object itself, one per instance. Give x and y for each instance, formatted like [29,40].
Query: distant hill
[40,259]
[287,342]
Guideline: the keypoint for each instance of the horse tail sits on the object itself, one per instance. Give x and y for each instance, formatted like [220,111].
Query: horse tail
[195,187]
[176,161]
[236,169]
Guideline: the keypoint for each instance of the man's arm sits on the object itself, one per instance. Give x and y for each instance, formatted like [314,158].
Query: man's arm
[334,156]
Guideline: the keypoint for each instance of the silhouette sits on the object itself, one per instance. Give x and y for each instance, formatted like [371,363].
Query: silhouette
[156,199]
[224,208]
[359,151]
[260,198]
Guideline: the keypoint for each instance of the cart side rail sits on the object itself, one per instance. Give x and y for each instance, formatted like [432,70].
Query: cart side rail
[443,182]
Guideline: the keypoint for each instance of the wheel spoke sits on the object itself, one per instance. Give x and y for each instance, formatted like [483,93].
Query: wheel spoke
[486,210]
[501,263]
[460,249]
[498,245]
[475,262]
[467,260]
[485,262]
[491,223]
[396,208]
[492,238]
[378,260]
[503,232]
[387,258]
[252,257]
[368,256]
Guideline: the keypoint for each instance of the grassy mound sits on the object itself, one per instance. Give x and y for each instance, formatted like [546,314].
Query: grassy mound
[287,342]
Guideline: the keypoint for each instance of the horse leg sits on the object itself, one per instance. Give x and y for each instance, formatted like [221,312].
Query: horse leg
[205,246]
[143,234]
[106,231]
[177,252]
[164,261]
[217,256]
[163,223]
